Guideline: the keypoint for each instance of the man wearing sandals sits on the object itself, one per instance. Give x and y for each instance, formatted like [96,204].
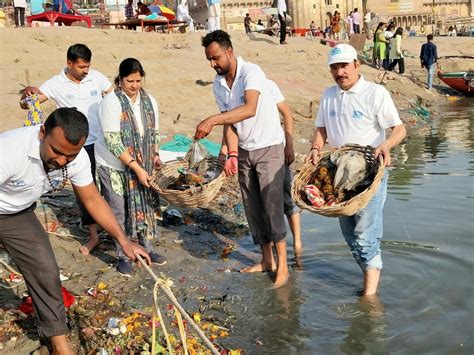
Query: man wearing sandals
[358,111]
[255,141]
[48,156]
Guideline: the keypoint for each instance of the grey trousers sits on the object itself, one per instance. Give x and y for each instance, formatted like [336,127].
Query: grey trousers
[26,241]
[261,175]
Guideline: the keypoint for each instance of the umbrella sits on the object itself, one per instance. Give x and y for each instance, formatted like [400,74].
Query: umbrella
[272,11]
[162,11]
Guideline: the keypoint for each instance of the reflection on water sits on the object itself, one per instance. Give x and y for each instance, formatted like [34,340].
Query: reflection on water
[426,302]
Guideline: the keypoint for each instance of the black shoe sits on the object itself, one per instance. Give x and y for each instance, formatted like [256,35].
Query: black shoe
[157,258]
[124,268]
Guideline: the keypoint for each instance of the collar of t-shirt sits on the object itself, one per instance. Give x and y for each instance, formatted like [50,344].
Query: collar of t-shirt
[355,89]
[240,64]
[65,78]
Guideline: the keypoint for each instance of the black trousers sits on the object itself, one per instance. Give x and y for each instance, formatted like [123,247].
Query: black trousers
[86,218]
[282,27]
[26,241]
[19,16]
[401,65]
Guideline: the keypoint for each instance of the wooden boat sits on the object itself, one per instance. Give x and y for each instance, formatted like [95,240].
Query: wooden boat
[461,81]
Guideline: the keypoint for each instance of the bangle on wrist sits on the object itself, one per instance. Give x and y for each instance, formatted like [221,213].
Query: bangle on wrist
[315,147]
[232,152]
[130,162]
[232,156]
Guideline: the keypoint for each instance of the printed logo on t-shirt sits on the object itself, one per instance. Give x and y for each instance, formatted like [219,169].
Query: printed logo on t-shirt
[69,97]
[94,92]
[357,115]
[19,183]
[332,113]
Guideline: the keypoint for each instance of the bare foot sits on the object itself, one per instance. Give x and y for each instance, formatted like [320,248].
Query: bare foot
[282,277]
[260,267]
[89,246]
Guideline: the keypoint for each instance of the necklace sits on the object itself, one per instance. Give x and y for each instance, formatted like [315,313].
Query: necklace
[58,186]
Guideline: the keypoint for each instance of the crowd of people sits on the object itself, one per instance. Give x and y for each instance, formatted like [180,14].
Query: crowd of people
[106,137]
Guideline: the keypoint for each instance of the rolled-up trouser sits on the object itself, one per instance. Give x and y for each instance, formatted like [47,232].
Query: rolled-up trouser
[86,218]
[363,231]
[261,175]
[112,187]
[290,207]
[26,241]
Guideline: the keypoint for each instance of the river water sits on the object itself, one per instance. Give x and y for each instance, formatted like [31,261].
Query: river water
[426,295]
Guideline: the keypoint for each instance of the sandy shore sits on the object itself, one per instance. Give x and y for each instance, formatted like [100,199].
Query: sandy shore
[173,63]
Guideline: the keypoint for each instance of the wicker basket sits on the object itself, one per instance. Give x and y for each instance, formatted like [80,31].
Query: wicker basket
[346,208]
[198,197]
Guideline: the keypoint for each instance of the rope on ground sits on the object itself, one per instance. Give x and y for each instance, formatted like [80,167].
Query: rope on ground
[166,289]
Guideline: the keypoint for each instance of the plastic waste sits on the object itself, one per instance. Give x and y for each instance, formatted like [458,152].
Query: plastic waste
[172,217]
[196,154]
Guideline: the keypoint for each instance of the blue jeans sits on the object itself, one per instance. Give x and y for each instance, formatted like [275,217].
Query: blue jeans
[364,230]
[431,71]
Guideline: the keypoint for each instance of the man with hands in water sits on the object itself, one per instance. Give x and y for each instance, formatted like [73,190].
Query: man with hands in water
[358,111]
[50,155]
[255,142]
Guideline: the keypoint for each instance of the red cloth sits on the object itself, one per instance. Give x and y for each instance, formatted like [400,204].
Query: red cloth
[27,305]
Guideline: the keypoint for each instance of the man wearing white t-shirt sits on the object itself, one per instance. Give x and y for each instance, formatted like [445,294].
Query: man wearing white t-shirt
[356,20]
[80,87]
[50,155]
[358,111]
[255,141]
[367,20]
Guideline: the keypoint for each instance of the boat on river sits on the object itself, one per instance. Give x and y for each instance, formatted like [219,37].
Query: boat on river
[461,81]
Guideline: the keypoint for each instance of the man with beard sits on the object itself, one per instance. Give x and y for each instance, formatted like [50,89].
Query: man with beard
[357,111]
[46,159]
[255,142]
[78,86]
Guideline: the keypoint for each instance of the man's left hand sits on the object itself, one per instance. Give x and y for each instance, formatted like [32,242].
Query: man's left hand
[289,154]
[133,249]
[385,151]
[204,128]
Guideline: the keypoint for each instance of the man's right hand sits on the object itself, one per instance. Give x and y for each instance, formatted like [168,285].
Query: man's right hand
[131,250]
[31,90]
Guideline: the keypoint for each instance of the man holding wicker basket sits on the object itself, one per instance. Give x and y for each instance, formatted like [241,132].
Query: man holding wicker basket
[357,111]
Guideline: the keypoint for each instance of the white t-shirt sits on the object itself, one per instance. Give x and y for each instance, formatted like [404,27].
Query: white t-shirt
[262,130]
[359,115]
[22,176]
[281,6]
[356,18]
[85,96]
[367,17]
[109,119]
[276,92]
[19,3]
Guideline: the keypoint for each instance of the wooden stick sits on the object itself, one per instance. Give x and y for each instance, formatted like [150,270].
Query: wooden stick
[173,299]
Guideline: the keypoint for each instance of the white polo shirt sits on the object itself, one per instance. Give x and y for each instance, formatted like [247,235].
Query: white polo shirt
[109,118]
[85,96]
[22,176]
[359,115]
[262,130]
